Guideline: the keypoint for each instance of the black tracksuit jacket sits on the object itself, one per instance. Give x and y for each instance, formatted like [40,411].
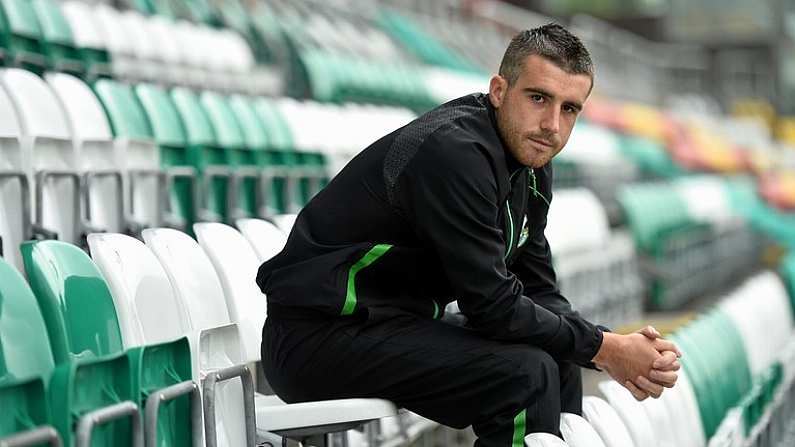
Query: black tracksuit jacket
[433,212]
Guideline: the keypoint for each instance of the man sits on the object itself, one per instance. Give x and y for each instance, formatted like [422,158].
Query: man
[451,207]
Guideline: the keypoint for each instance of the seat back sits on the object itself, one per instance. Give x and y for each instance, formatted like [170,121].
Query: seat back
[166,123]
[227,131]
[236,264]
[80,17]
[24,347]
[87,118]
[577,432]
[38,109]
[543,440]
[631,413]
[69,288]
[604,419]
[576,222]
[12,217]
[198,128]
[254,132]
[197,286]
[148,311]
[127,117]
[266,238]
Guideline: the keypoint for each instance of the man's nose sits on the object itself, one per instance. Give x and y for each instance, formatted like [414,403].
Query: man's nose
[550,122]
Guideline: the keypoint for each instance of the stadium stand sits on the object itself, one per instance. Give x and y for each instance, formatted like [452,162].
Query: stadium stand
[128,128]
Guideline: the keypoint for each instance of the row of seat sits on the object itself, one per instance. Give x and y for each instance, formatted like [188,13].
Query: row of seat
[597,269]
[120,158]
[738,370]
[99,41]
[692,237]
[143,325]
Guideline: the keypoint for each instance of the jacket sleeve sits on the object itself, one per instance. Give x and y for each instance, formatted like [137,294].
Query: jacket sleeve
[534,269]
[450,198]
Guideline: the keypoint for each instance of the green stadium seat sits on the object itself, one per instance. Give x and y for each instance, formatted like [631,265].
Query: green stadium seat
[211,161]
[140,156]
[91,44]
[75,388]
[25,358]
[271,141]
[57,40]
[69,288]
[244,160]
[24,36]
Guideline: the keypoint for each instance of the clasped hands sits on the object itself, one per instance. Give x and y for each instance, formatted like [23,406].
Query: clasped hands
[643,362]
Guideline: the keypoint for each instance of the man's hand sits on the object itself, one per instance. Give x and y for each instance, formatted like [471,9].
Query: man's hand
[643,362]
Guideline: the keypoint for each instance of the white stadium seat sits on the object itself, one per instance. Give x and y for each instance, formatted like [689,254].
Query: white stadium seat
[604,419]
[631,413]
[543,440]
[48,150]
[577,432]
[15,199]
[266,238]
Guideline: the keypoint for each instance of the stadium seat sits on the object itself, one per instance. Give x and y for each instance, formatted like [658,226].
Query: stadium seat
[212,162]
[25,361]
[15,193]
[152,318]
[93,387]
[102,170]
[578,432]
[136,154]
[120,46]
[245,182]
[24,34]
[215,341]
[176,156]
[265,238]
[91,46]
[54,169]
[57,42]
[542,440]
[269,158]
[284,195]
[631,413]
[236,265]
[604,419]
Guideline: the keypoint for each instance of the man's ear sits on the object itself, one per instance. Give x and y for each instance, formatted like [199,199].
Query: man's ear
[498,86]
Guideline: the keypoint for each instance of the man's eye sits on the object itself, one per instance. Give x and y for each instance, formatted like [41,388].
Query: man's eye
[537,98]
[569,109]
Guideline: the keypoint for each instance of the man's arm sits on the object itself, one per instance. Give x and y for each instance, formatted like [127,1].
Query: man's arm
[450,197]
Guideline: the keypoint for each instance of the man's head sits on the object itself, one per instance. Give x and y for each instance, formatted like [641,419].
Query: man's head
[545,77]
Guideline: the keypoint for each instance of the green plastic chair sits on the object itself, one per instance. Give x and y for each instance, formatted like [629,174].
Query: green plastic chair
[244,160]
[282,156]
[57,40]
[25,361]
[24,38]
[83,324]
[212,162]
[176,155]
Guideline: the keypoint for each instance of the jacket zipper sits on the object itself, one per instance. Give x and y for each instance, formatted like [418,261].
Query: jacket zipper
[510,217]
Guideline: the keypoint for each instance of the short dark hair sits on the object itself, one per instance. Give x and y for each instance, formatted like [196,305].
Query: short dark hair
[551,41]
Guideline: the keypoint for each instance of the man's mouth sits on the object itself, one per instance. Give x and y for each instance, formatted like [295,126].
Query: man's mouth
[542,143]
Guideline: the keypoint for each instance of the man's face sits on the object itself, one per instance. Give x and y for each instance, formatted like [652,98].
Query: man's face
[536,114]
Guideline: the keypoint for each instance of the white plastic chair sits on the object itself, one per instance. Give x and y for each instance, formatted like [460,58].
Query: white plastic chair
[93,142]
[760,309]
[285,222]
[604,419]
[577,432]
[236,265]
[265,238]
[543,440]
[47,152]
[631,413]
[15,194]
[85,30]
[198,288]
[118,42]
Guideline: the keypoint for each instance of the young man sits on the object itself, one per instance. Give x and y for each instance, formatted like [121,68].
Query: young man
[451,207]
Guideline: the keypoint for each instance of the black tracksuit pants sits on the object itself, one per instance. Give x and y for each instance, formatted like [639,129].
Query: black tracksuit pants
[444,372]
